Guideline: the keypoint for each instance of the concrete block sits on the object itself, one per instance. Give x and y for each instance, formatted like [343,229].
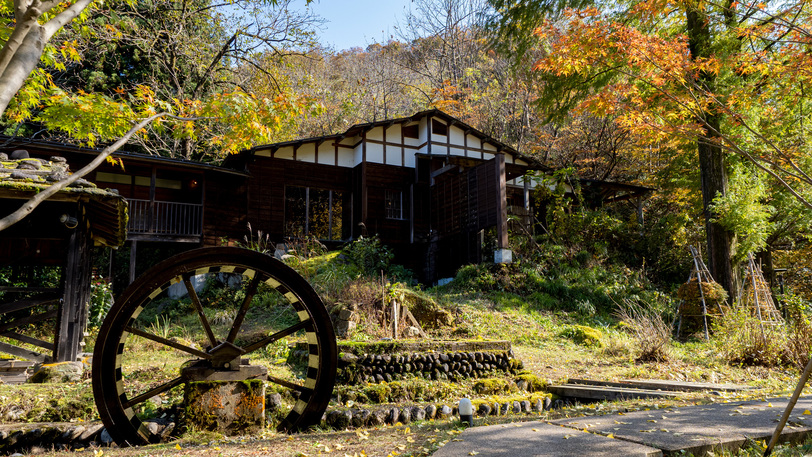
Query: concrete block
[503,256]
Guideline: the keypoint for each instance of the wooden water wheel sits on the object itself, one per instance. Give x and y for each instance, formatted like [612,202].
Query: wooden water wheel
[211,314]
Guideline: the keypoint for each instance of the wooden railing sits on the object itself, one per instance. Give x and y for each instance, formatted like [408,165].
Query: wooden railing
[165,218]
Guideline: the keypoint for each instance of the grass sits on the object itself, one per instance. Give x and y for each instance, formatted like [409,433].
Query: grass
[533,308]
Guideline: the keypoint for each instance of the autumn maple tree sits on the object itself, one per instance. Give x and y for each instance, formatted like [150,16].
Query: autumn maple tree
[30,57]
[724,82]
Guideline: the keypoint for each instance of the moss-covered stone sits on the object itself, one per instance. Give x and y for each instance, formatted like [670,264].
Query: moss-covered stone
[228,407]
[378,393]
[532,382]
[491,386]
[428,313]
[583,335]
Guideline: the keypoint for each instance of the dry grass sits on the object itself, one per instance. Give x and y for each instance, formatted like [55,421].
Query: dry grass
[648,329]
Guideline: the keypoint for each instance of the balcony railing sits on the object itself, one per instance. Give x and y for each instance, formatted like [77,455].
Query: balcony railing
[168,219]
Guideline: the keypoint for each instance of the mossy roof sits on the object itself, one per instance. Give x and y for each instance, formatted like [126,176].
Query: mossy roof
[105,210]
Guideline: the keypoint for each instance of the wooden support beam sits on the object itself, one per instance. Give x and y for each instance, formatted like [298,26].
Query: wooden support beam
[23,353]
[28,302]
[29,340]
[28,320]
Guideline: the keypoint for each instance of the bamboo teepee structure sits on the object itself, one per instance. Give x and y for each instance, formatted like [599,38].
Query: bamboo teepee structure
[701,296]
[756,297]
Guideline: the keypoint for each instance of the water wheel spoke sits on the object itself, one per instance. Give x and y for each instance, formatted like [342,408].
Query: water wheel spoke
[249,296]
[277,336]
[288,384]
[168,342]
[152,392]
[199,308]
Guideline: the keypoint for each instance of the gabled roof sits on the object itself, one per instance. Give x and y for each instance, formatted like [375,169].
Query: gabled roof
[451,120]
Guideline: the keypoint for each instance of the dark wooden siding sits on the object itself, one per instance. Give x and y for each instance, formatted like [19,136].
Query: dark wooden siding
[225,208]
[379,180]
[266,191]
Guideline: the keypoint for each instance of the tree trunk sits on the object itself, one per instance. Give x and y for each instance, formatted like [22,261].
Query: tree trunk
[711,158]
[720,240]
[22,63]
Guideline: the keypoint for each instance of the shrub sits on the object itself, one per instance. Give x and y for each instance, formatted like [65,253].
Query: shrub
[743,340]
[101,299]
[647,326]
[799,342]
[583,335]
[370,255]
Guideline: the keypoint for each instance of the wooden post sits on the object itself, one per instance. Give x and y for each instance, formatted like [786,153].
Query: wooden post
[501,203]
[395,318]
[133,249]
[502,254]
[72,315]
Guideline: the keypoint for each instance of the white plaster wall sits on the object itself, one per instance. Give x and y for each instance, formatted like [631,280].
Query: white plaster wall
[358,156]
[346,157]
[488,156]
[284,153]
[457,135]
[393,133]
[374,153]
[306,153]
[489,147]
[411,162]
[375,134]
[393,155]
[520,162]
[263,153]
[327,153]
[438,149]
[457,151]
[474,142]
[412,142]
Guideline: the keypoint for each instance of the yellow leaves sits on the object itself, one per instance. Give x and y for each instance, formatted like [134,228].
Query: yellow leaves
[362,434]
[115,161]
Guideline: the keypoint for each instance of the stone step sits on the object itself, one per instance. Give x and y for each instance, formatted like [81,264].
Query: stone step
[662,384]
[608,393]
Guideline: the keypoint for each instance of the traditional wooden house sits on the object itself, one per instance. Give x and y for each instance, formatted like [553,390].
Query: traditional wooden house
[432,187]
[428,185]
[173,204]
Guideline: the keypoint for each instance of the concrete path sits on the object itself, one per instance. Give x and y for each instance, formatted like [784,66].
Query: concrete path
[693,429]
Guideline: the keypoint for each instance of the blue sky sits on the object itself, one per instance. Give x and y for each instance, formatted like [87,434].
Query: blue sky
[353,23]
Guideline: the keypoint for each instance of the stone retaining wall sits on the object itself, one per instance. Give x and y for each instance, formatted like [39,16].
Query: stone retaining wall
[340,419]
[393,360]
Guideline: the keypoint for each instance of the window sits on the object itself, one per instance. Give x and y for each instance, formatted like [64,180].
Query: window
[314,212]
[438,128]
[394,204]
[410,131]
